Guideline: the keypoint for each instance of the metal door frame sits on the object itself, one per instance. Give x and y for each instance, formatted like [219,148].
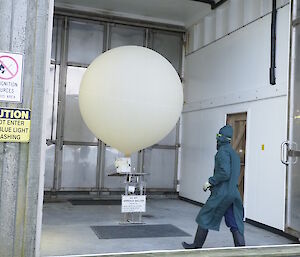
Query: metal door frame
[287,146]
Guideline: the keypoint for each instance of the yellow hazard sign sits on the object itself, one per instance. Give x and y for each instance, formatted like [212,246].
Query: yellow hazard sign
[14,125]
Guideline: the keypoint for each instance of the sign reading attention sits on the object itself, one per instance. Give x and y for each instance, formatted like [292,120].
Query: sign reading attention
[11,66]
[14,125]
[133,203]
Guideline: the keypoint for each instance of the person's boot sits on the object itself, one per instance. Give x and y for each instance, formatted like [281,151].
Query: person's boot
[199,240]
[238,238]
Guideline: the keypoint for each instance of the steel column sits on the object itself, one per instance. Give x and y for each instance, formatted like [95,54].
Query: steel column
[61,107]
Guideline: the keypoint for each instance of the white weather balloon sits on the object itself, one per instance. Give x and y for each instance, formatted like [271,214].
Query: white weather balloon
[130,98]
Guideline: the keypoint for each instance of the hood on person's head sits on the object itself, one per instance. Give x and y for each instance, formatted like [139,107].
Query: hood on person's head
[224,136]
[226,131]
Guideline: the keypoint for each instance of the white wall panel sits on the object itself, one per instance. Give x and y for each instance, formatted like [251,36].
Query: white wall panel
[222,21]
[266,6]
[236,14]
[251,10]
[264,173]
[197,151]
[239,63]
[191,38]
[200,27]
[209,28]
[231,76]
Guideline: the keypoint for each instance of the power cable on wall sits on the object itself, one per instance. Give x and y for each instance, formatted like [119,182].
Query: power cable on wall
[273,45]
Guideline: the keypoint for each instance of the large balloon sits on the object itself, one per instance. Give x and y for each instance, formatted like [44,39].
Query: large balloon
[130,98]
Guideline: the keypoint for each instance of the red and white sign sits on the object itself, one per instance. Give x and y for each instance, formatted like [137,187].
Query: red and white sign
[11,67]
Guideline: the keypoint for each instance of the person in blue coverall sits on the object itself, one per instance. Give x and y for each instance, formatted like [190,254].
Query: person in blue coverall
[224,200]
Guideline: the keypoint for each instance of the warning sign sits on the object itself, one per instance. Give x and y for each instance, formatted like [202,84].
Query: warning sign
[133,203]
[14,125]
[11,66]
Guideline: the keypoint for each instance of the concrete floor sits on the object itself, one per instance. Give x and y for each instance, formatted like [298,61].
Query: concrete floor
[66,229]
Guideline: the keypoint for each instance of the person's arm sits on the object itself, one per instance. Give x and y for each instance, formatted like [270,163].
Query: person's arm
[223,172]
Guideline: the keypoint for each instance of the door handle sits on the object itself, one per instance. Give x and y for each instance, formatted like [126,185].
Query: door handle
[284,152]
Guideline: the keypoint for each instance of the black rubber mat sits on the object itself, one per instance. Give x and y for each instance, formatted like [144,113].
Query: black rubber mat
[95,202]
[138,231]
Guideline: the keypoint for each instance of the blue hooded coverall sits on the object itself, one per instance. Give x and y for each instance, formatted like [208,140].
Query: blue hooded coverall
[225,199]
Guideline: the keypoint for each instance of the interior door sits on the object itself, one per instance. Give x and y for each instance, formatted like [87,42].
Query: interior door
[291,148]
[238,122]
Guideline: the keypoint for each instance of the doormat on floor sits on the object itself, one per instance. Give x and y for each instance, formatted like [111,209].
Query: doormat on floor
[95,202]
[138,231]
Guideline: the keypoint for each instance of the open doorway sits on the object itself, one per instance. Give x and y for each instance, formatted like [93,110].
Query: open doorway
[81,193]
[78,165]
[75,160]
[238,121]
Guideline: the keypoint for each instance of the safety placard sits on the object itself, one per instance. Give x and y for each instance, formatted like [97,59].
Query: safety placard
[14,125]
[11,67]
[133,203]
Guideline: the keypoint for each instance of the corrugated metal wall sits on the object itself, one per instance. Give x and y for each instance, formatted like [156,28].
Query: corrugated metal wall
[227,18]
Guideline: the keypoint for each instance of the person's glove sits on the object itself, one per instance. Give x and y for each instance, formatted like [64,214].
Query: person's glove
[206,186]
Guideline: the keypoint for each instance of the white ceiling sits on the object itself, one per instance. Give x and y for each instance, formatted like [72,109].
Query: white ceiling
[177,12]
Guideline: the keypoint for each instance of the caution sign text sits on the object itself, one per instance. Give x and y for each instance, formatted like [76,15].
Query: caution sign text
[14,125]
